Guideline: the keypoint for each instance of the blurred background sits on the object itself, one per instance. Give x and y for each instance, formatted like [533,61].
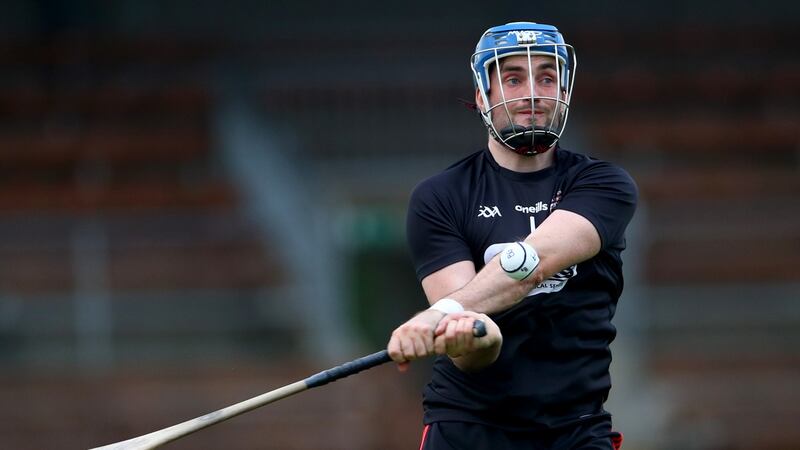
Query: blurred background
[202,201]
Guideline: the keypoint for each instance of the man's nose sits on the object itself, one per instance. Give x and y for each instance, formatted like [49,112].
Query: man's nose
[526,90]
[531,91]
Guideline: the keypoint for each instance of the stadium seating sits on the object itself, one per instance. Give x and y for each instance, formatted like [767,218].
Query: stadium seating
[123,164]
[707,124]
[110,188]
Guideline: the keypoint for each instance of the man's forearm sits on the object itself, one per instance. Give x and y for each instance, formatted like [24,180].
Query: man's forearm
[491,290]
[562,240]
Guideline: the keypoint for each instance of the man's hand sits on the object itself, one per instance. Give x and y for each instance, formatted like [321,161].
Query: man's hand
[414,339]
[432,332]
[454,338]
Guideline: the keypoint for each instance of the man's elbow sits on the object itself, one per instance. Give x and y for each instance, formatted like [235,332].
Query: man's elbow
[533,280]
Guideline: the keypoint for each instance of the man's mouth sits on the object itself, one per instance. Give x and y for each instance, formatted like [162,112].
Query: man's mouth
[528,112]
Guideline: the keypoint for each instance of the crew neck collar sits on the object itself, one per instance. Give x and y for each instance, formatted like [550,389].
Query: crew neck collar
[523,176]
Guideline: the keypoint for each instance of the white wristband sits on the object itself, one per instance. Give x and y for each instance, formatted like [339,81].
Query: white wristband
[519,260]
[447,306]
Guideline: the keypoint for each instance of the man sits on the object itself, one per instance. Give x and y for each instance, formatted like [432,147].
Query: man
[539,378]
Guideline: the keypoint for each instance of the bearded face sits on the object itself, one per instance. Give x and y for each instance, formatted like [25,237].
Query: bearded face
[527,103]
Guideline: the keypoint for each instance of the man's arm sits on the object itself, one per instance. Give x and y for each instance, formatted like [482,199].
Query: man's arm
[563,239]
[452,335]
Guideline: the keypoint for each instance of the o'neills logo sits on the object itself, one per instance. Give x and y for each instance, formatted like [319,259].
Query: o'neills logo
[533,209]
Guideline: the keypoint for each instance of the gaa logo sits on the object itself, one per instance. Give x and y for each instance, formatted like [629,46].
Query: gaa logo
[486,211]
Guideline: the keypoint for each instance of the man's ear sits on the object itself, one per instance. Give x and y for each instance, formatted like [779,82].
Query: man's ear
[479,100]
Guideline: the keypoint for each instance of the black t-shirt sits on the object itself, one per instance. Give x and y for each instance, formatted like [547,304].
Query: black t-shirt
[553,366]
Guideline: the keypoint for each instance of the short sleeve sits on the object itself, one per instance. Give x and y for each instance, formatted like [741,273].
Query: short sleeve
[606,196]
[434,237]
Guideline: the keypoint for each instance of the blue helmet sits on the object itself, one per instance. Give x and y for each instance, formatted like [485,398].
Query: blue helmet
[524,39]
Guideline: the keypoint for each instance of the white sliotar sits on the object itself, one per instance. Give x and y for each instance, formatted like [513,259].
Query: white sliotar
[519,260]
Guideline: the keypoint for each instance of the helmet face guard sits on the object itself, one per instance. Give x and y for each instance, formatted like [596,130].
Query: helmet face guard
[534,42]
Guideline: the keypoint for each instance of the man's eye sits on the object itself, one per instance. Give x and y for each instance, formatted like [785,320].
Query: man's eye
[513,81]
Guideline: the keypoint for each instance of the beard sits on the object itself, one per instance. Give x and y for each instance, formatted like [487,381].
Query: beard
[529,135]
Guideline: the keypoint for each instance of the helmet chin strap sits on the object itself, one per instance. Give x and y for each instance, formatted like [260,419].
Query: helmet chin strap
[519,139]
